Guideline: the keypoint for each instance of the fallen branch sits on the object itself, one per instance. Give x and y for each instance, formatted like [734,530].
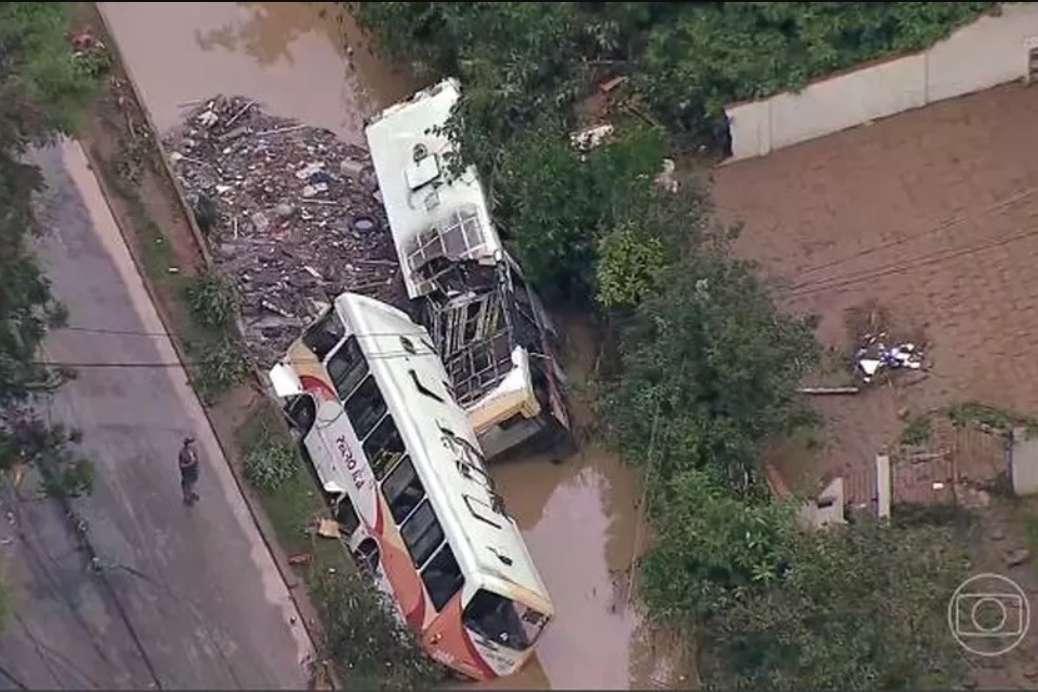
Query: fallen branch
[279,130]
[828,390]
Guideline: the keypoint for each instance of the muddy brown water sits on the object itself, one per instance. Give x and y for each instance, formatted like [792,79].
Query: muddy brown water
[578,514]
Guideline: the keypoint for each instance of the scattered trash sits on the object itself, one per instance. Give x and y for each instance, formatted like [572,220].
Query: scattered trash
[300,559]
[298,216]
[328,528]
[666,178]
[873,355]
[173,270]
[591,137]
[1017,556]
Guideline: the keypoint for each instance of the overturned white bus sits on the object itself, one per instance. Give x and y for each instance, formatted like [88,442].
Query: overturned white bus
[488,325]
[400,466]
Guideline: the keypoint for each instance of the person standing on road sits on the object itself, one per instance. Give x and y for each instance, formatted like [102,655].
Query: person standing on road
[188,459]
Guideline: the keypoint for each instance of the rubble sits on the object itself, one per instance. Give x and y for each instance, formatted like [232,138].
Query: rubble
[873,355]
[298,216]
[1016,557]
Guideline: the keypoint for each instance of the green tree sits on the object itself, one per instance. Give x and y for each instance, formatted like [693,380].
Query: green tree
[712,54]
[556,202]
[520,63]
[712,547]
[713,364]
[43,89]
[861,607]
[629,267]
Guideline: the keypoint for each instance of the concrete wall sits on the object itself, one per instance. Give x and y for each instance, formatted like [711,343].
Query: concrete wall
[988,52]
[1024,463]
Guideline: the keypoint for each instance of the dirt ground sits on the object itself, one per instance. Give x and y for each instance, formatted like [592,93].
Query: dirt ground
[933,216]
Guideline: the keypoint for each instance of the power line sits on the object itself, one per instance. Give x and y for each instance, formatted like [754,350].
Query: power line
[388,355]
[935,229]
[812,287]
[130,332]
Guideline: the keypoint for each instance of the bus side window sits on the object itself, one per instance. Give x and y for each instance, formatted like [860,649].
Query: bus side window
[346,515]
[365,407]
[403,490]
[302,412]
[422,533]
[347,367]
[442,577]
[384,447]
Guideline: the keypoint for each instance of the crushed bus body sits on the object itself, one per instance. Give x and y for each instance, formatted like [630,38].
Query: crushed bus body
[400,465]
[487,324]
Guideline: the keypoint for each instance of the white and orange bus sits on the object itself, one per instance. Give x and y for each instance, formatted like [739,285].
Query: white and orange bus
[400,464]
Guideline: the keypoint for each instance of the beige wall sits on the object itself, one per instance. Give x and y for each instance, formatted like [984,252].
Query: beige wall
[991,51]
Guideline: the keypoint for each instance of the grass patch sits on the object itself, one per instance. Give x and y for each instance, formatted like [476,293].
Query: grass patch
[213,300]
[269,464]
[156,253]
[1031,531]
[219,364]
[991,416]
[917,431]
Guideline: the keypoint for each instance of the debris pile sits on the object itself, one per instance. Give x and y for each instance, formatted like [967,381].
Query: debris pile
[873,355]
[292,214]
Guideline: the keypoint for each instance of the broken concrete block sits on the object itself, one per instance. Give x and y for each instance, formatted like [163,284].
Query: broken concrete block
[1017,556]
[351,169]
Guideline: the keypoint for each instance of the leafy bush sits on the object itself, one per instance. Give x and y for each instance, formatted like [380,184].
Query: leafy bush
[269,463]
[519,62]
[629,267]
[213,300]
[556,205]
[858,608]
[712,358]
[46,88]
[524,62]
[363,637]
[711,547]
[711,54]
[220,366]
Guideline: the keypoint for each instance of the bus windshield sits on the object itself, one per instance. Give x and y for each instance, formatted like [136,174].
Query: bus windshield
[503,621]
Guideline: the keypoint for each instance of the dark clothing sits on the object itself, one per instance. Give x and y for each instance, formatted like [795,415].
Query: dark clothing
[188,461]
[189,474]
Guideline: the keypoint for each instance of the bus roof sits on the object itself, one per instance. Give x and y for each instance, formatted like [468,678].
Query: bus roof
[431,214]
[476,544]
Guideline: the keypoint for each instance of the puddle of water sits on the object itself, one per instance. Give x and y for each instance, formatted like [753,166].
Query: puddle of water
[579,517]
[291,57]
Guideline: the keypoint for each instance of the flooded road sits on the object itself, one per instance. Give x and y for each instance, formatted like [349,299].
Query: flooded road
[578,514]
